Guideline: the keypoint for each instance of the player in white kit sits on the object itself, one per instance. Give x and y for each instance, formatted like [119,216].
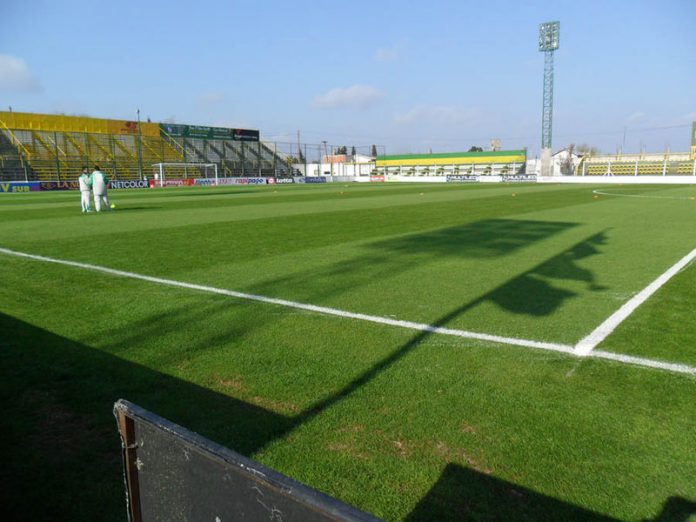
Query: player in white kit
[99,184]
[84,189]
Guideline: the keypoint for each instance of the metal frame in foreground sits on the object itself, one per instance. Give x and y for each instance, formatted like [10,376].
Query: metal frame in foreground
[172,473]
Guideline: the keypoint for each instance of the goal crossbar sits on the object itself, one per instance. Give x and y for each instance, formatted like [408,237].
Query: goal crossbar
[161,169]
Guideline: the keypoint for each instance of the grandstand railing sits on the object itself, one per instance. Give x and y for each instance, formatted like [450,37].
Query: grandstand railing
[669,166]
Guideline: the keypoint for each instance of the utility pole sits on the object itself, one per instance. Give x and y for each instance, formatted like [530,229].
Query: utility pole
[140,149]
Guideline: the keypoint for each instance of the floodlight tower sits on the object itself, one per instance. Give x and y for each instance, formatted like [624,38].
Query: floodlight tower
[548,43]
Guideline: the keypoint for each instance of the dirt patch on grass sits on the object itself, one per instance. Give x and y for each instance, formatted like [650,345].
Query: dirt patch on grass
[347,448]
[275,405]
[450,454]
[352,428]
[232,383]
[466,428]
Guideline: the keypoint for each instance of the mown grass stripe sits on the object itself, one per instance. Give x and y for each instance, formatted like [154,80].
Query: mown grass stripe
[556,347]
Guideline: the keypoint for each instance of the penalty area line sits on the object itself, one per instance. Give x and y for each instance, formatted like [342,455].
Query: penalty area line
[590,342]
[527,343]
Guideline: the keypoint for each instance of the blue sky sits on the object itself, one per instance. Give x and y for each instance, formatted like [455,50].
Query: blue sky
[441,75]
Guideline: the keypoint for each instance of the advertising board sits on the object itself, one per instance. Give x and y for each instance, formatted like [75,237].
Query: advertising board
[17,186]
[462,178]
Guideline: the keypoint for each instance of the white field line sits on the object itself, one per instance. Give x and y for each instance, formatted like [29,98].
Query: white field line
[618,194]
[302,306]
[589,343]
[555,347]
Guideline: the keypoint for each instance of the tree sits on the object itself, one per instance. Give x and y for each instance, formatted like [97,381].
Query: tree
[352,151]
[475,149]
[585,149]
[567,164]
[373,151]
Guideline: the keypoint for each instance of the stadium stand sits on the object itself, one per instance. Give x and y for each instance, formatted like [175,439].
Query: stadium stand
[47,147]
[667,164]
[501,162]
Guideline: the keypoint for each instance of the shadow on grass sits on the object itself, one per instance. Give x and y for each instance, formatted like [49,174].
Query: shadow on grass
[62,462]
[60,447]
[560,265]
[482,239]
[676,509]
[532,292]
[465,494]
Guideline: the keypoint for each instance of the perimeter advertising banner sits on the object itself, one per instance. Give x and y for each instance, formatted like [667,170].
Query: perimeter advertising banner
[133,183]
[60,185]
[17,186]
[518,177]
[207,133]
[462,178]
[170,183]
[230,181]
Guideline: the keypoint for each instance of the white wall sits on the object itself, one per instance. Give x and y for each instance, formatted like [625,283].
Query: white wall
[620,180]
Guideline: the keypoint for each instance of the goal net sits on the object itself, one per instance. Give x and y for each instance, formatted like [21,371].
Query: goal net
[165,171]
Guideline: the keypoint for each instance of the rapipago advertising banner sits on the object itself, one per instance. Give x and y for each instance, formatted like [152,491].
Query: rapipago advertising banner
[208,133]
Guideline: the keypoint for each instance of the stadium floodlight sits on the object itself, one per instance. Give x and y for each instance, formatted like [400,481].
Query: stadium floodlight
[548,42]
[548,36]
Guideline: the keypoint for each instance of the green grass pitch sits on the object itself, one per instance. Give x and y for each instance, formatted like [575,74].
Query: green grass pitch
[406,425]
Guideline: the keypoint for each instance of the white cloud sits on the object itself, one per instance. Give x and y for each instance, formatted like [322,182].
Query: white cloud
[391,53]
[636,116]
[212,98]
[386,54]
[439,114]
[356,96]
[16,76]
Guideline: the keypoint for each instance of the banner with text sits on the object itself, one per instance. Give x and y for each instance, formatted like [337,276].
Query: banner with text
[208,133]
[17,186]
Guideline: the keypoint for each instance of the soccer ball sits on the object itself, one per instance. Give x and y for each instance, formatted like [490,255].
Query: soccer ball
[113,206]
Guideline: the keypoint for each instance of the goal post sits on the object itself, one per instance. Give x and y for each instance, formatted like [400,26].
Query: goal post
[165,170]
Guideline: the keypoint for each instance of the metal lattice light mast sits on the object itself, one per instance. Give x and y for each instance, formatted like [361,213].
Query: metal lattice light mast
[548,43]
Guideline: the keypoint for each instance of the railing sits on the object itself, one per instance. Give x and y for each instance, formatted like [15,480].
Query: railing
[15,141]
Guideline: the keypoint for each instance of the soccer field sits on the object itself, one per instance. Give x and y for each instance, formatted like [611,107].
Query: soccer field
[414,350]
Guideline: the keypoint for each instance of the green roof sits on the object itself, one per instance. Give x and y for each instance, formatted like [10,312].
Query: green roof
[485,154]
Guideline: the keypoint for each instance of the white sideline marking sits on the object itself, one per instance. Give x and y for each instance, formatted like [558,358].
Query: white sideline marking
[640,361]
[618,194]
[302,306]
[555,347]
[586,345]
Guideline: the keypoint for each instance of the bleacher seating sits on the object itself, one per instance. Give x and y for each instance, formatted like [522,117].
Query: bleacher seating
[54,148]
[674,164]
[484,163]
